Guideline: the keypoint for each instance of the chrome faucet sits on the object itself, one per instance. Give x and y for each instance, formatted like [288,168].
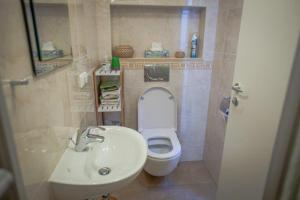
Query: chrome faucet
[84,137]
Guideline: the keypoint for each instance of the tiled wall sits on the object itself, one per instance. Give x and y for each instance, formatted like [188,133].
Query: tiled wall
[230,12]
[47,110]
[189,83]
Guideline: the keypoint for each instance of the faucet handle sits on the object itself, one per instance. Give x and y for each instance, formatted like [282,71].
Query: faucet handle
[101,128]
[80,133]
[94,134]
[86,136]
[94,130]
[89,132]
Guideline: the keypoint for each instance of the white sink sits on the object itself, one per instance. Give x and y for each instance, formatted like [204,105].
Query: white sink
[77,177]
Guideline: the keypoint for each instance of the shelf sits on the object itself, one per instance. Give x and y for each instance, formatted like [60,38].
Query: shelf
[101,72]
[49,2]
[110,108]
[169,59]
[66,58]
[178,3]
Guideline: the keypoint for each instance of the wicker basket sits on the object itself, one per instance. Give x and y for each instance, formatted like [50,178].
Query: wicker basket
[179,54]
[123,51]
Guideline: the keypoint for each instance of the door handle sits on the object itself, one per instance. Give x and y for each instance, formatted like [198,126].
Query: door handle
[237,88]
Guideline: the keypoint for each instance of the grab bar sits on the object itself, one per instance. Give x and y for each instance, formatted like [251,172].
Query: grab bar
[24,81]
[17,82]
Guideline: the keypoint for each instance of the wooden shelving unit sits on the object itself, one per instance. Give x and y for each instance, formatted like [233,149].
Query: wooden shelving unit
[98,75]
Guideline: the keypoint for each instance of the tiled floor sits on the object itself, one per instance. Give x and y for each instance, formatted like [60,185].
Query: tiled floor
[190,181]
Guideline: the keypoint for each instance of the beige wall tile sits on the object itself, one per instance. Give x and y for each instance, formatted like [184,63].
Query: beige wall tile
[103,29]
[229,17]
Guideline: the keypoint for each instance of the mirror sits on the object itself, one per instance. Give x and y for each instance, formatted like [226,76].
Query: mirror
[48,32]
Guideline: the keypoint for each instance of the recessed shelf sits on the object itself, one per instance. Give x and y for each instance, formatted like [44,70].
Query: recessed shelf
[110,108]
[169,59]
[178,25]
[178,3]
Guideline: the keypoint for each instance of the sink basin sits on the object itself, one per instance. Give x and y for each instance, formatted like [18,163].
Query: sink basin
[102,168]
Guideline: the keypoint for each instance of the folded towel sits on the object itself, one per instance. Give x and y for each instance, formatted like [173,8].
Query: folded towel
[110,96]
[110,102]
[110,93]
[107,86]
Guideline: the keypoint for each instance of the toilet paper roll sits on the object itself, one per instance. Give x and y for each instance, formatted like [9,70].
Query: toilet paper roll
[224,107]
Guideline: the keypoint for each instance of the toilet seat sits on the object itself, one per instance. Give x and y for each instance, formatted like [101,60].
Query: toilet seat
[157,122]
[160,134]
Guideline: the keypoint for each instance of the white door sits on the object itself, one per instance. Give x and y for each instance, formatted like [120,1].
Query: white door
[268,39]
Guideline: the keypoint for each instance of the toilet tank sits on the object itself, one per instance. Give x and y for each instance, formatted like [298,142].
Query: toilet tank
[157,109]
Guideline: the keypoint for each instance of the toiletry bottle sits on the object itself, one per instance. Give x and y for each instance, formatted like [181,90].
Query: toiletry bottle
[194,47]
[115,63]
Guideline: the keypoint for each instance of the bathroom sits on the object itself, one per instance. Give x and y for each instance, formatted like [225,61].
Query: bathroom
[204,104]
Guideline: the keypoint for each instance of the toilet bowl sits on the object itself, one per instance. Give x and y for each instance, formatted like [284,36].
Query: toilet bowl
[157,122]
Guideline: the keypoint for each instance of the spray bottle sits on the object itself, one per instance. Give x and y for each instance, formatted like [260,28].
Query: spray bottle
[194,47]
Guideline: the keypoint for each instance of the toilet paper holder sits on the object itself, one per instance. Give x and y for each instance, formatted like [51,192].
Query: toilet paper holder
[224,107]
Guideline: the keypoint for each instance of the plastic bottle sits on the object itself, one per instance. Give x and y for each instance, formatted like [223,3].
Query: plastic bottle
[194,47]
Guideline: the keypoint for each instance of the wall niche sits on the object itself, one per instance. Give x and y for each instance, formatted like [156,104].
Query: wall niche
[173,26]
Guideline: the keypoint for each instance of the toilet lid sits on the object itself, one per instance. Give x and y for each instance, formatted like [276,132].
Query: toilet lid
[157,109]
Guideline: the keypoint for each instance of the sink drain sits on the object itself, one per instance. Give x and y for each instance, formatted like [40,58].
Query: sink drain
[104,171]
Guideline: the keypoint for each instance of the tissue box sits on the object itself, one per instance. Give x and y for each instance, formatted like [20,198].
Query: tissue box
[48,55]
[52,54]
[156,54]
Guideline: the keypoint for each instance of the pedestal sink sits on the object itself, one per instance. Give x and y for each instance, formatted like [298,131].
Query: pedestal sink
[103,168]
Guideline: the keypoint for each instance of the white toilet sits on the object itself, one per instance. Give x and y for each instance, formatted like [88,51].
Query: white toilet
[157,122]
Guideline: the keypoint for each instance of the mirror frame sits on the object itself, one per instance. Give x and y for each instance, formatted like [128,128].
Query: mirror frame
[25,19]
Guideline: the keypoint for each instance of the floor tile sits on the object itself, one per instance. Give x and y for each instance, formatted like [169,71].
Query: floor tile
[190,181]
